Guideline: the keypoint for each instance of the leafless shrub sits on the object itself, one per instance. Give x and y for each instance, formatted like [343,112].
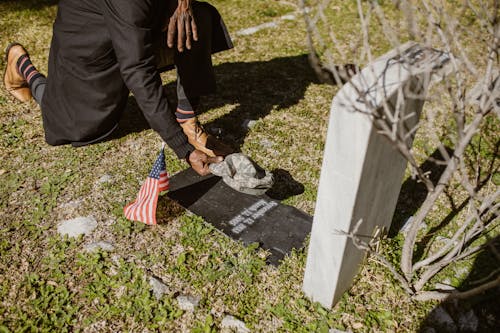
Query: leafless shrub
[460,120]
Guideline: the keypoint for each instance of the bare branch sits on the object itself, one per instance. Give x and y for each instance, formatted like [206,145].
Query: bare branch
[368,247]
[448,296]
[443,250]
[456,115]
[407,252]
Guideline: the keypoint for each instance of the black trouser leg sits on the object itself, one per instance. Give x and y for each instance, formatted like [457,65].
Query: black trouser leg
[194,67]
[38,89]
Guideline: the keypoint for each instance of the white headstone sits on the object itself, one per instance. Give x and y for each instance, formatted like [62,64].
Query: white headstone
[362,172]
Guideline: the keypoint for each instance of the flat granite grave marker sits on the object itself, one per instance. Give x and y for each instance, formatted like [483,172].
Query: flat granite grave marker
[252,219]
[362,172]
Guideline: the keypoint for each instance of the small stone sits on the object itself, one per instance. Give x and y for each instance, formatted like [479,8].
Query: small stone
[72,204]
[2,171]
[159,288]
[357,326]
[468,322]
[105,246]
[104,179]
[229,322]
[265,143]
[188,302]
[249,123]
[78,226]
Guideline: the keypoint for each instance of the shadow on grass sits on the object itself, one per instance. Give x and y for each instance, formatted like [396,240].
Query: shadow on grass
[479,313]
[256,88]
[168,210]
[414,192]
[284,186]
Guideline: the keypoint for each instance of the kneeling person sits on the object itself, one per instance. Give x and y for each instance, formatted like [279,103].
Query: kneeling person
[103,49]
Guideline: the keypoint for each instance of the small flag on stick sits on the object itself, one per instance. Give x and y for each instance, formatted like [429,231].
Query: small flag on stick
[143,209]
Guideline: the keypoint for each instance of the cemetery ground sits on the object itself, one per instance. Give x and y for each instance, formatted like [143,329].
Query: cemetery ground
[271,107]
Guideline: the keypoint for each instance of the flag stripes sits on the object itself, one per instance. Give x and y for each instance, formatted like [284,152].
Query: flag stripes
[143,209]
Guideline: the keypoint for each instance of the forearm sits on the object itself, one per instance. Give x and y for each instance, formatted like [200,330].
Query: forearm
[129,25]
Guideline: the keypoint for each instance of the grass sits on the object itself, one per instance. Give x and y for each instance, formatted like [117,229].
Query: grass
[49,283]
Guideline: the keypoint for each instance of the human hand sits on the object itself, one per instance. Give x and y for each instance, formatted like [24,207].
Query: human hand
[199,161]
[182,22]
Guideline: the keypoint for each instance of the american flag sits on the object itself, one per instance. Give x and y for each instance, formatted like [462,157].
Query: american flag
[143,209]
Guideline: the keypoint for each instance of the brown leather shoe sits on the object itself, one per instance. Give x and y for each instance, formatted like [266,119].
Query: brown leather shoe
[15,84]
[202,141]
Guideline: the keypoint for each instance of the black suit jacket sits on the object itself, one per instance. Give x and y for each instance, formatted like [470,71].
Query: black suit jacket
[101,50]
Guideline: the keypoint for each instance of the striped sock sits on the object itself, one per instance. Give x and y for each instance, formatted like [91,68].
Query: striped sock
[185,108]
[27,70]
[183,115]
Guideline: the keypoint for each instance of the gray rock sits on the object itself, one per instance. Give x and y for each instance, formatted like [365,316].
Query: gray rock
[105,246]
[104,179]
[249,123]
[188,302]
[468,322]
[231,323]
[78,226]
[72,204]
[158,287]
[265,143]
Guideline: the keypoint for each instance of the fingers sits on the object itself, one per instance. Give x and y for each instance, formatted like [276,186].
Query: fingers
[205,170]
[216,159]
[171,30]
[200,167]
[194,28]
[184,26]
[200,162]
[187,26]
[181,33]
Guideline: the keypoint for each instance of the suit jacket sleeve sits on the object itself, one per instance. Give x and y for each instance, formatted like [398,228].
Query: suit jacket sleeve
[130,25]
